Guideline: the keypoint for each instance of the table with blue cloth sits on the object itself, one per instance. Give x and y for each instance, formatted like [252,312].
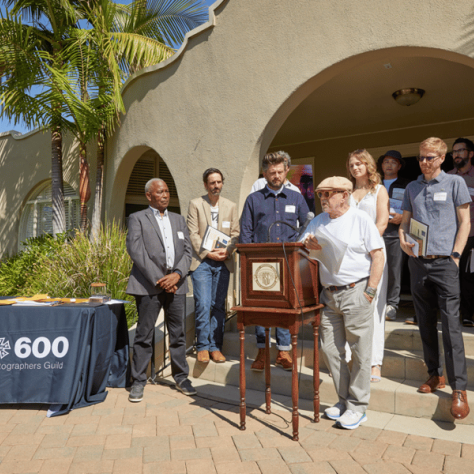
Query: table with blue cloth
[64,355]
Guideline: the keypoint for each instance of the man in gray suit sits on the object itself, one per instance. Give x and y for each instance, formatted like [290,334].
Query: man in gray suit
[158,244]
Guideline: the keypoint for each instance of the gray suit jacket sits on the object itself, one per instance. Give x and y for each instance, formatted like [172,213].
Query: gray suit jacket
[146,249]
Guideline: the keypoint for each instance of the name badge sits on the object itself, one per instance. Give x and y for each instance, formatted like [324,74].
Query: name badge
[440,196]
[180,235]
[226,225]
[290,208]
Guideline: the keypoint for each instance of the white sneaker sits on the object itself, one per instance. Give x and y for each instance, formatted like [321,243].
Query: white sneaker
[390,313]
[351,420]
[335,412]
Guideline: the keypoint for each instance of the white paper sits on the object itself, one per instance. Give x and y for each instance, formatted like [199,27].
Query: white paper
[214,238]
[33,303]
[440,196]
[289,208]
[332,251]
[411,240]
[226,225]
[118,301]
[180,235]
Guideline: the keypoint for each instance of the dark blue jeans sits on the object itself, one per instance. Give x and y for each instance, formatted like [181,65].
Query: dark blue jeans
[210,283]
[283,338]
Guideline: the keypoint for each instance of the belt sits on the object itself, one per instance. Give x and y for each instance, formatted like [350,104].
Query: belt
[332,289]
[432,257]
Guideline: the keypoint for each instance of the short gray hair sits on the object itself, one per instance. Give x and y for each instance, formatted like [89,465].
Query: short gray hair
[275,159]
[149,183]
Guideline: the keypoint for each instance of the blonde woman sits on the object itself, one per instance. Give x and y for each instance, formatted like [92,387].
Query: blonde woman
[370,196]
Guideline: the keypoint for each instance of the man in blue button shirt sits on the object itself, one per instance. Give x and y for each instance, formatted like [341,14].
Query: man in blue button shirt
[262,208]
[440,201]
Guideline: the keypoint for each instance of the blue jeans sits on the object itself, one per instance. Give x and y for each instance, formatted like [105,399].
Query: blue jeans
[210,283]
[283,338]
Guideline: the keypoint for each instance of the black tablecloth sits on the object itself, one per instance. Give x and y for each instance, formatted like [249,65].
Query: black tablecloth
[62,355]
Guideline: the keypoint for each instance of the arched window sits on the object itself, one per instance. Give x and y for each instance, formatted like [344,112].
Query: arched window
[150,165]
[37,216]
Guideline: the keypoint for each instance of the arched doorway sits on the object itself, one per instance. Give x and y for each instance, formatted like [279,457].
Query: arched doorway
[350,106]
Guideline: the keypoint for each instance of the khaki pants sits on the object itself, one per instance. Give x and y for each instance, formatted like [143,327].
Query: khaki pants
[348,317]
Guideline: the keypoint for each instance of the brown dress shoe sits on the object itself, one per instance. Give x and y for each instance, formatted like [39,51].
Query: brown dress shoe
[203,356]
[459,406]
[259,363]
[433,383]
[284,360]
[217,356]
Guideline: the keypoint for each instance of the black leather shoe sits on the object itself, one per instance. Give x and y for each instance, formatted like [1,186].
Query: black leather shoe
[136,393]
[186,387]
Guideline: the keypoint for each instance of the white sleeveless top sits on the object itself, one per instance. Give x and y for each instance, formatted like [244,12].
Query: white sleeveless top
[368,203]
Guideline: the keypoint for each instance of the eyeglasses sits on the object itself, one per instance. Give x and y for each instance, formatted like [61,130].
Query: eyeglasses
[459,151]
[429,159]
[327,194]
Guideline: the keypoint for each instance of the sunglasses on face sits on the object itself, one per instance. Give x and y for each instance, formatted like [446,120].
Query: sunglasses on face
[327,194]
[429,159]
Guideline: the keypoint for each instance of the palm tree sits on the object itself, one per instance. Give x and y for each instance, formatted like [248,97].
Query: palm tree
[129,38]
[32,57]
[81,71]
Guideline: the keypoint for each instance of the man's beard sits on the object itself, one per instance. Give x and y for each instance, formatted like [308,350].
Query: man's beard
[461,164]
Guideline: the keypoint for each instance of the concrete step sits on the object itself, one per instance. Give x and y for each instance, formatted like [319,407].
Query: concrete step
[398,364]
[395,396]
[398,335]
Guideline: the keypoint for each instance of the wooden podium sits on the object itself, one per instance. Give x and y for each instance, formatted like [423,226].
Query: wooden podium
[279,285]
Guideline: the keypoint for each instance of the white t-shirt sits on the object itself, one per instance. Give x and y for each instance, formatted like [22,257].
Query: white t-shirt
[357,229]
[262,182]
[214,216]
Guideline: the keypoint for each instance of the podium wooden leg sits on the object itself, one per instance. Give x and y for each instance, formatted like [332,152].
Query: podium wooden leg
[316,374]
[241,328]
[294,386]
[268,390]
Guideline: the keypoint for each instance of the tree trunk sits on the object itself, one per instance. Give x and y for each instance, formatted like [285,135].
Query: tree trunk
[84,185]
[57,191]
[99,186]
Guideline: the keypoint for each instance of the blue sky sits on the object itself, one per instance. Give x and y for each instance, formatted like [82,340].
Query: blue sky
[5,125]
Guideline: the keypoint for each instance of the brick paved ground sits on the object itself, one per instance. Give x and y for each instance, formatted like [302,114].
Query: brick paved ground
[173,434]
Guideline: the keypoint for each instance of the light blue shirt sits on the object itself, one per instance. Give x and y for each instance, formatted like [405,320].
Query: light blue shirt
[434,203]
[167,233]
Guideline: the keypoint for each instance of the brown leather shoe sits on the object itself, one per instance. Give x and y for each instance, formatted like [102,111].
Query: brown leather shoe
[433,383]
[217,356]
[284,360]
[259,363]
[203,356]
[459,406]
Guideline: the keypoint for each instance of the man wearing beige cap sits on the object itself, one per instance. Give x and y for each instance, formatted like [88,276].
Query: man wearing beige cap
[347,295]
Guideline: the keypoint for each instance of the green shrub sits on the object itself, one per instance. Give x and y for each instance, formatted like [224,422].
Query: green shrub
[65,267]
[17,270]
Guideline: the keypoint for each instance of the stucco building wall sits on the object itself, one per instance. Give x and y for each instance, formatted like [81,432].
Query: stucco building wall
[223,98]
[222,101]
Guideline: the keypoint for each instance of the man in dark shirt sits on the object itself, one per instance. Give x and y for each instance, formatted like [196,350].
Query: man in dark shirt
[262,208]
[463,151]
[391,163]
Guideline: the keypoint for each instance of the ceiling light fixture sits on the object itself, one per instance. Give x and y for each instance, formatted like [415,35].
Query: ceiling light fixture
[408,96]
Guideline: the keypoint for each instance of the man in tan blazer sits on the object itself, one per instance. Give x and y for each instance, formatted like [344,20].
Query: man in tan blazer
[210,270]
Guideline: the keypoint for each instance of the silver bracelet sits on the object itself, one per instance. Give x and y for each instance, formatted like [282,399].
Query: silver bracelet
[371,291]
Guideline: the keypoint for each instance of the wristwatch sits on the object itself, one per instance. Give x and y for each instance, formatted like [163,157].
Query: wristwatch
[456,255]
